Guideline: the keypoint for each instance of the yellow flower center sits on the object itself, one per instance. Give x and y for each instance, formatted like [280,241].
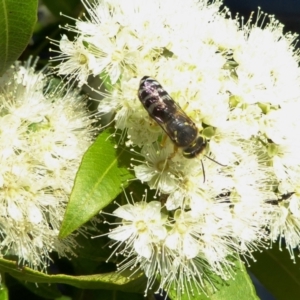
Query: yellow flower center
[181,228]
[82,59]
[141,226]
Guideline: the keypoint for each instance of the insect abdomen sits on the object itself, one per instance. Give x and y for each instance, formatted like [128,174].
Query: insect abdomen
[156,100]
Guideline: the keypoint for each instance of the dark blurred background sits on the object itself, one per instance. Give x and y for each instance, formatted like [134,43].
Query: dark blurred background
[286,11]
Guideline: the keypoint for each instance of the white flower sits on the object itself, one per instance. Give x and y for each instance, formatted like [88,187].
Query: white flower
[184,236]
[44,134]
[246,121]
[236,88]
[285,223]
[113,54]
[267,65]
[139,237]
[156,171]
[274,124]
[142,225]
[76,61]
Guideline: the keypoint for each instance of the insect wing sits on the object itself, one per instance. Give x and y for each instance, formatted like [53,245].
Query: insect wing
[181,129]
[164,110]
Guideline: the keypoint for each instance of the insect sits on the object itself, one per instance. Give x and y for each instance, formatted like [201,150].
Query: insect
[283,197]
[170,117]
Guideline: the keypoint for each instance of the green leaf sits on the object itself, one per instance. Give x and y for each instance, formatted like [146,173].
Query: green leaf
[240,288]
[3,291]
[107,281]
[63,298]
[67,7]
[278,273]
[104,77]
[99,180]
[17,21]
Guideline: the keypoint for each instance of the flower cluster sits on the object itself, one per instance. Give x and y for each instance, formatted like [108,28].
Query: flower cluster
[239,84]
[45,129]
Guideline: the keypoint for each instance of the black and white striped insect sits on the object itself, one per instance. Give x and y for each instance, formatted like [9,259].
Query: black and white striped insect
[170,117]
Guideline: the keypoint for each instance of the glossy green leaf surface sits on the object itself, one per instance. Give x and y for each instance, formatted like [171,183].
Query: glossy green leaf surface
[3,292]
[238,288]
[17,21]
[107,281]
[103,171]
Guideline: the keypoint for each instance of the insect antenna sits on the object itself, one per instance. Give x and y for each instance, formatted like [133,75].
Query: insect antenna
[202,165]
[215,161]
[203,171]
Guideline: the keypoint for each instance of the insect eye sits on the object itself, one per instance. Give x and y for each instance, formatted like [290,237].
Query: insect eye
[195,149]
